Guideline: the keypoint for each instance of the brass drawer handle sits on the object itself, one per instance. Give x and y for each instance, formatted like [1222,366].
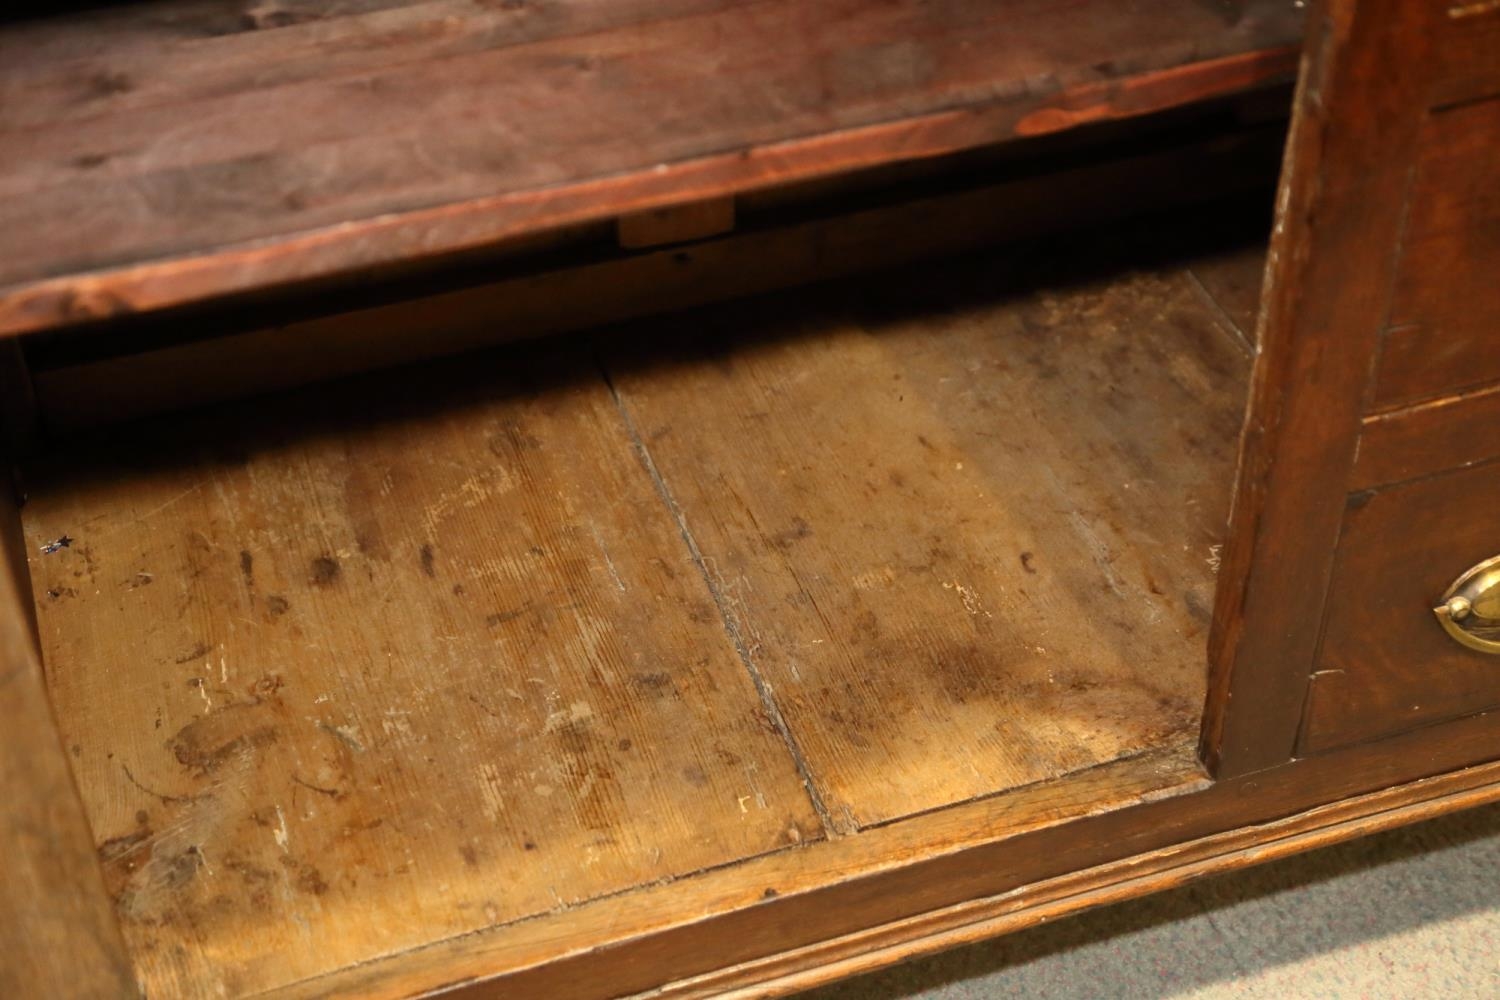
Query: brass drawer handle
[1470,609]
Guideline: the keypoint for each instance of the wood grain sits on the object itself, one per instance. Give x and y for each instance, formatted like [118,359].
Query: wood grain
[1468,53]
[1103,885]
[1015,498]
[61,938]
[343,681]
[1437,436]
[1386,664]
[211,182]
[427,654]
[824,894]
[883,232]
[1447,303]
[1355,126]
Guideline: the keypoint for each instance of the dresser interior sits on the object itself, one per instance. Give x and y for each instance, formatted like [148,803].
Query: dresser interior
[356,668]
[471,612]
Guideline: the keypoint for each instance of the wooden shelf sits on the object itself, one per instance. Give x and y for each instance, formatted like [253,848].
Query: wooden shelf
[443,673]
[167,152]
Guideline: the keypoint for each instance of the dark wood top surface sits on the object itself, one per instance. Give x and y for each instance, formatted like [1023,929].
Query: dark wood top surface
[154,154]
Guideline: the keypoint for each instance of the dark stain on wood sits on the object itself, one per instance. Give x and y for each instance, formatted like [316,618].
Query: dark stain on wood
[325,571]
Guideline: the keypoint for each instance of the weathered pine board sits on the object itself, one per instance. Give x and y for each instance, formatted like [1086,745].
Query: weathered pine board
[310,149]
[60,934]
[94,63]
[348,674]
[966,536]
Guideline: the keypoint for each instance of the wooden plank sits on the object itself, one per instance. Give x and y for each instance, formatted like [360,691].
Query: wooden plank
[178,200]
[97,63]
[1353,141]
[832,890]
[61,938]
[530,948]
[340,685]
[676,224]
[1447,303]
[1104,885]
[1014,496]
[1386,665]
[1434,437]
[86,393]
[1467,62]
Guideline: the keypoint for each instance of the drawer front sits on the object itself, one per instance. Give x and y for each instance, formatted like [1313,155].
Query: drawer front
[1386,663]
[1444,331]
[1466,67]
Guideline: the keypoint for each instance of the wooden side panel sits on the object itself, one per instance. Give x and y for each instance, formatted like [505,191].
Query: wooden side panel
[968,550]
[60,935]
[340,684]
[1386,664]
[1355,130]
[1445,319]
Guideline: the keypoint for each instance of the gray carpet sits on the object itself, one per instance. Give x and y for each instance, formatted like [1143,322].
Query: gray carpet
[1413,912]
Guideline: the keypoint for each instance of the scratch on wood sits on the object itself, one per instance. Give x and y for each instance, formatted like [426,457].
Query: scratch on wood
[282,838]
[181,496]
[344,734]
[969,598]
[1463,10]
[1102,556]
[610,563]
[164,799]
[330,792]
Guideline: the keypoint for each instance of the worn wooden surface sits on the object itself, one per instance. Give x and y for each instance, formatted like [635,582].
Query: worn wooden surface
[967,546]
[60,934]
[213,148]
[1000,867]
[361,669]
[1356,122]
[1468,65]
[339,683]
[1446,308]
[1158,871]
[1386,665]
[1443,434]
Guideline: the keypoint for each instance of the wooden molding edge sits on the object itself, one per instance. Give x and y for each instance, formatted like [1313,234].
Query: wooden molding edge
[977,920]
[539,948]
[994,875]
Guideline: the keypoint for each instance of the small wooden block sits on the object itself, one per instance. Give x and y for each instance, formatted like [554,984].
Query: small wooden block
[676,223]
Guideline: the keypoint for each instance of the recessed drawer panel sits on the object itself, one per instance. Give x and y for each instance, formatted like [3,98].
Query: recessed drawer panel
[1444,330]
[1387,663]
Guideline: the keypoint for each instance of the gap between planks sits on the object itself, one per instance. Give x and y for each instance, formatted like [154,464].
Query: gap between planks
[831,828]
